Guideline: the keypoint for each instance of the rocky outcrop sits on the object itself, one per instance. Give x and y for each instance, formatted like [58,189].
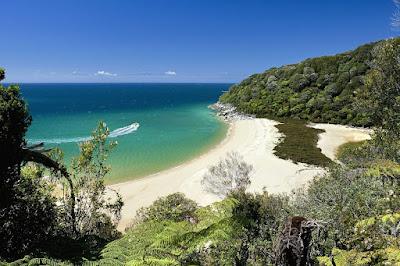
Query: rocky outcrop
[228,112]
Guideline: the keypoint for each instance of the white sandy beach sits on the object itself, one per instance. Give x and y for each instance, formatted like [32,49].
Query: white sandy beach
[254,139]
[336,135]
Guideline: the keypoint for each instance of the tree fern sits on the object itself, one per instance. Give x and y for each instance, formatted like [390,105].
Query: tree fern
[165,242]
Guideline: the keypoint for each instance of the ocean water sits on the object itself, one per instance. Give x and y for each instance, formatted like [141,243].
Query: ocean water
[156,126]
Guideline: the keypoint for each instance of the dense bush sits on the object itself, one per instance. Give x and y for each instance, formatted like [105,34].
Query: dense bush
[174,207]
[323,89]
[165,240]
[358,202]
[238,230]
[29,220]
[357,205]
[261,217]
[27,210]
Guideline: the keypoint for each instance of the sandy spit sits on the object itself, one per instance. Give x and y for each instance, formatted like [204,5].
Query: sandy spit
[336,135]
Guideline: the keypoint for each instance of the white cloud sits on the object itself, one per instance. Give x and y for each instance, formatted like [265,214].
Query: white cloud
[170,73]
[105,74]
[79,73]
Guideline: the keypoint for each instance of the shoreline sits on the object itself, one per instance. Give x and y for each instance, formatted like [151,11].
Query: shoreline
[254,139]
[181,164]
[200,149]
[207,148]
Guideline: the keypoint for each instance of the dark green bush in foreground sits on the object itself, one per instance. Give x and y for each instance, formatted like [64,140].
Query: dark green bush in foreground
[27,210]
[35,219]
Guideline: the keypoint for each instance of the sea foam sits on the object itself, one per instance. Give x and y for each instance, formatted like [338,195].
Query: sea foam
[113,134]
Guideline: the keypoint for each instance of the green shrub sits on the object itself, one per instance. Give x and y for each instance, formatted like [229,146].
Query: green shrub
[175,207]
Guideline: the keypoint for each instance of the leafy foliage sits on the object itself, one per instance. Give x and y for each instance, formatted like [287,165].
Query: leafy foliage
[322,89]
[2,74]
[27,210]
[14,122]
[383,92]
[175,207]
[382,97]
[239,228]
[359,201]
[96,211]
[30,220]
[168,241]
[88,212]
[261,217]
[27,260]
[376,242]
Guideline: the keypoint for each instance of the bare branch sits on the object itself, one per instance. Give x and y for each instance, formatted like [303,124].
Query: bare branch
[229,175]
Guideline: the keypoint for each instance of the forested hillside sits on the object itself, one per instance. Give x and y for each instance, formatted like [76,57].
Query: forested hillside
[323,89]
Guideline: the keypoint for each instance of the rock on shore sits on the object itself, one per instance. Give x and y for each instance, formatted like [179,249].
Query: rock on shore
[228,112]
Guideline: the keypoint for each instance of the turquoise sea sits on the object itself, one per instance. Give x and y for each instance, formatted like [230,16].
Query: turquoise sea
[175,123]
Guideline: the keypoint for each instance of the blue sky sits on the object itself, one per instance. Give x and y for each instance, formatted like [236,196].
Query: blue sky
[177,40]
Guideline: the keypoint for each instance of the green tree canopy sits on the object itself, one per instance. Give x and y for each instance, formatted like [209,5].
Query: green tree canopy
[321,89]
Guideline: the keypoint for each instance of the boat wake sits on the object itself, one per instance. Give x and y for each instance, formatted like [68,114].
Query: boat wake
[113,134]
[124,130]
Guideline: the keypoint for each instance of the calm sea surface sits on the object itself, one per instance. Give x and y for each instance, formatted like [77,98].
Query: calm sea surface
[175,124]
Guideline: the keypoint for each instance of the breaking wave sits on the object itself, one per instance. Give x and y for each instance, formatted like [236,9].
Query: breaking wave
[113,134]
